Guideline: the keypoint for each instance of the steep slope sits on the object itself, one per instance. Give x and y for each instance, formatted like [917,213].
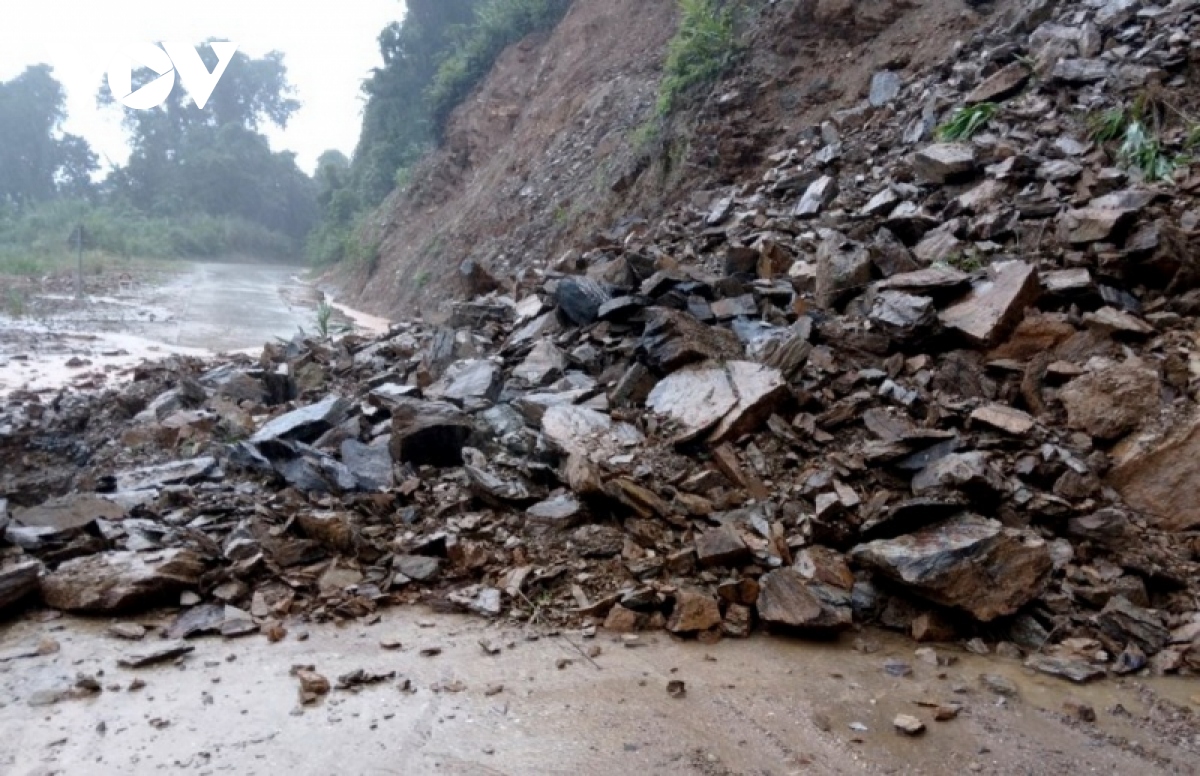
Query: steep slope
[561,143]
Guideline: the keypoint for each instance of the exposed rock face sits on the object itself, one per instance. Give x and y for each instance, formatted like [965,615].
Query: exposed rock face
[1111,402]
[120,581]
[968,562]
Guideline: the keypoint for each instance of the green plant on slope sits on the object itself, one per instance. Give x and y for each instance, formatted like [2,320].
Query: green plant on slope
[1142,150]
[703,49]
[1138,128]
[967,121]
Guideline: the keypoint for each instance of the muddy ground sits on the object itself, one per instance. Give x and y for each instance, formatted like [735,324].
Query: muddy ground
[188,308]
[544,705]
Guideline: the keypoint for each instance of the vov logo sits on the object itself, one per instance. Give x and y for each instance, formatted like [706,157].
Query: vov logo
[183,57]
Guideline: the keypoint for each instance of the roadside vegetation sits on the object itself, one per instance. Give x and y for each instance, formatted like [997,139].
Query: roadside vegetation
[197,184]
[433,59]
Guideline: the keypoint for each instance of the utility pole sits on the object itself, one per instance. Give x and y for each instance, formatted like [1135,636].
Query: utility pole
[79,264]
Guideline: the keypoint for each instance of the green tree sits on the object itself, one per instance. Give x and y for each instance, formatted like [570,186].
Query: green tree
[215,160]
[37,160]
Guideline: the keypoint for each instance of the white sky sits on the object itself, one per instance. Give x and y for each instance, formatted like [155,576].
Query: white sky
[329,47]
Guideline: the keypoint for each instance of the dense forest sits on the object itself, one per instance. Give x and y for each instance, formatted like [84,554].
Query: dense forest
[205,183]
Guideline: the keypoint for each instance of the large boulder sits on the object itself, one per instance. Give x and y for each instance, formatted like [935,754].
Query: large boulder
[970,562]
[121,581]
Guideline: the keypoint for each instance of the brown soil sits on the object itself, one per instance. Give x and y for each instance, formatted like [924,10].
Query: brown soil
[553,149]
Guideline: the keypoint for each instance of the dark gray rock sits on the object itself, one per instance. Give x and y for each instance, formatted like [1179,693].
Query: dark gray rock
[305,424]
[580,298]
[969,562]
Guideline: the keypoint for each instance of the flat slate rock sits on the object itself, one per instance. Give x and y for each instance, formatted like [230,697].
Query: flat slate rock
[155,654]
[307,423]
[120,580]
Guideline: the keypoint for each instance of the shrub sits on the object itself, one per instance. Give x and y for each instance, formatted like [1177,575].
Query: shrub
[703,49]
[498,24]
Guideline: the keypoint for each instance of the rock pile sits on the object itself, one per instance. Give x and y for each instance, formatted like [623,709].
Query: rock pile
[945,387]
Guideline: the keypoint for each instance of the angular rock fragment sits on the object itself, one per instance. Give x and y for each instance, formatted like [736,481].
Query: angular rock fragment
[1111,402]
[467,383]
[174,473]
[729,399]
[673,339]
[994,306]
[428,433]
[158,653]
[588,433]
[694,611]
[1004,418]
[788,600]
[580,298]
[941,162]
[816,197]
[121,581]
[560,512]
[968,562]
[721,547]
[1129,624]
[1000,85]
[306,423]
[843,269]
[1160,477]
[544,364]
[18,579]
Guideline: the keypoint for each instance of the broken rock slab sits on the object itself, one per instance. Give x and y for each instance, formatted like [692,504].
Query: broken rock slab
[576,430]
[580,299]
[787,600]
[305,424]
[1160,477]
[1111,402]
[673,339]
[729,399]
[969,562]
[174,473]
[942,162]
[120,580]
[468,383]
[994,306]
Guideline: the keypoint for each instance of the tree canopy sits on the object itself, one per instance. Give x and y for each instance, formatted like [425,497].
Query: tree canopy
[38,161]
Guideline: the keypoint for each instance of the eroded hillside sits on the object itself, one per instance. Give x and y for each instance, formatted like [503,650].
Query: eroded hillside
[562,148]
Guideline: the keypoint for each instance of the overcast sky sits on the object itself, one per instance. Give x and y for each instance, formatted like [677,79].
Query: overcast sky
[329,48]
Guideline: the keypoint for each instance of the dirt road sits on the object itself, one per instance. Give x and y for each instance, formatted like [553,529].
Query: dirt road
[194,309]
[763,706]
